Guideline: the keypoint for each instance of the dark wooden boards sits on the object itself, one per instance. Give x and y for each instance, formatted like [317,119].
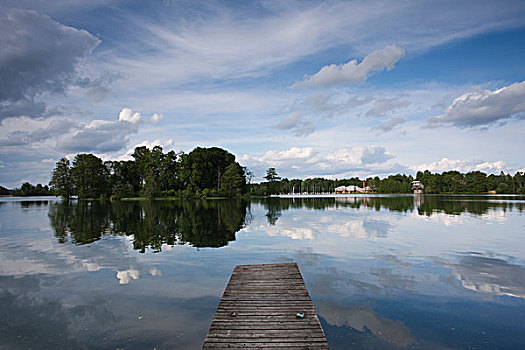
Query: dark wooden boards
[258,310]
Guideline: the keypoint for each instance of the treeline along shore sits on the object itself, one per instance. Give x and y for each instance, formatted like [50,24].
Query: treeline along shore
[214,172]
[449,182]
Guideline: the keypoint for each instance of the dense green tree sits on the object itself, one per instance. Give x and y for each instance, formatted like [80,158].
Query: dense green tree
[204,167]
[4,191]
[169,177]
[124,179]
[233,180]
[476,182]
[61,182]
[156,170]
[28,189]
[453,182]
[89,176]
[152,185]
[142,157]
[395,184]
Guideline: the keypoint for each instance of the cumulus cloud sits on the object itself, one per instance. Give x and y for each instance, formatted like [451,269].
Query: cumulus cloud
[361,155]
[484,107]
[375,155]
[389,124]
[357,160]
[66,135]
[297,124]
[38,55]
[293,153]
[156,117]
[353,72]
[54,128]
[446,164]
[99,136]
[126,114]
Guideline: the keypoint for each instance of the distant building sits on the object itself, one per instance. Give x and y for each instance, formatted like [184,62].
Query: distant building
[417,186]
[347,189]
[367,189]
[352,189]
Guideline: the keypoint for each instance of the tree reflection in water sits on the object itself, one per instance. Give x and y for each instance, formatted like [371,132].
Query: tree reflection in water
[201,223]
[424,204]
[213,223]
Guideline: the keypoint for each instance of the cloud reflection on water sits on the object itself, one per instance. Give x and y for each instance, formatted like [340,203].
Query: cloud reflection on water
[368,257]
[362,318]
[489,275]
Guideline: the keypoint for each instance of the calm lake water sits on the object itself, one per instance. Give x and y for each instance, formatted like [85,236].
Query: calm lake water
[384,272]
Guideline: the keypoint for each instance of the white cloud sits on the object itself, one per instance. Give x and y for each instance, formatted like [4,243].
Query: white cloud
[24,131]
[359,156]
[352,72]
[100,136]
[491,167]
[307,160]
[126,114]
[484,107]
[293,153]
[157,117]
[446,164]
[60,134]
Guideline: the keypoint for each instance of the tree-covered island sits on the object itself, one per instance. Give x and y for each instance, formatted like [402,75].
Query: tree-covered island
[203,172]
[214,172]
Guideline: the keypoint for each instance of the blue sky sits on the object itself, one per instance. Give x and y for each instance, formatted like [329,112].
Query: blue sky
[333,89]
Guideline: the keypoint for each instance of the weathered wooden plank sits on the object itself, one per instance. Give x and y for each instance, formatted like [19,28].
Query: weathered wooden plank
[261,320]
[264,333]
[259,310]
[262,326]
[263,302]
[274,346]
[271,345]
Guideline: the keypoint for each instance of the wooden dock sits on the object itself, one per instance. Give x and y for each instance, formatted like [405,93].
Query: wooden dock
[259,310]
